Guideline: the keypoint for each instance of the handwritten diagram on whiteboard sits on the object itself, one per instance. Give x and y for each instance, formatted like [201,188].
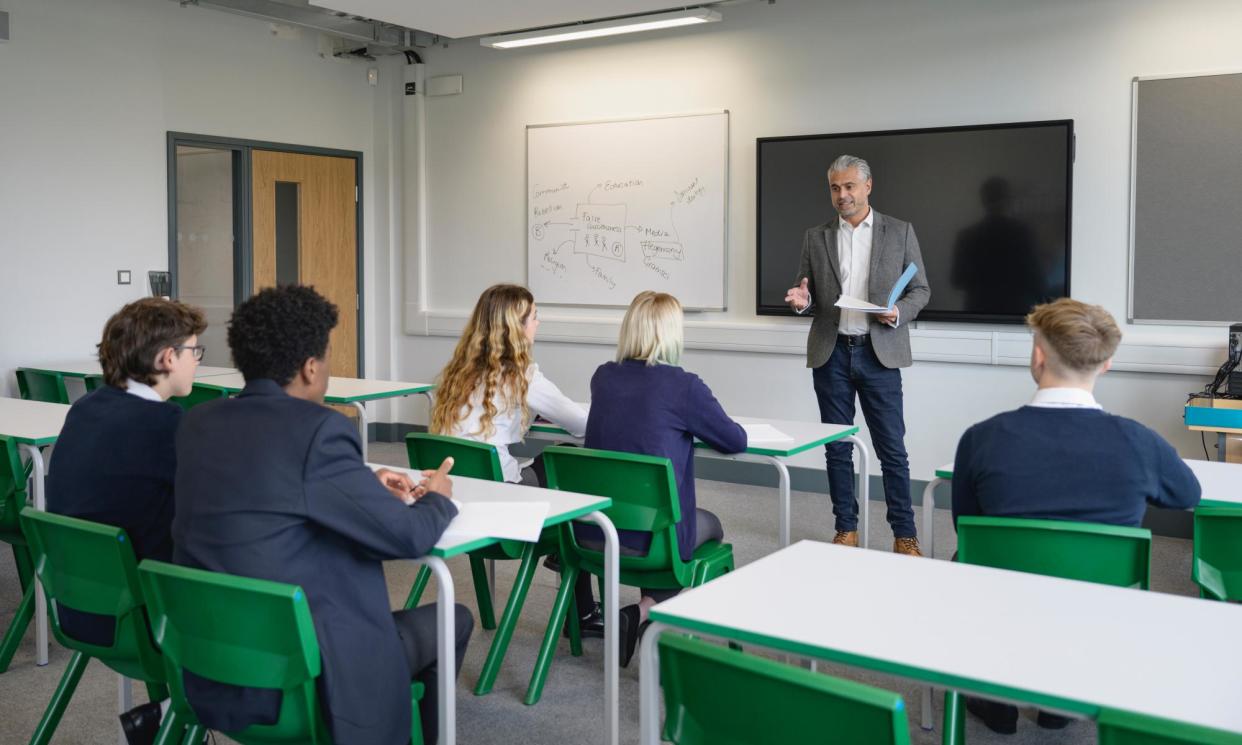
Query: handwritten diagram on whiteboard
[614,208]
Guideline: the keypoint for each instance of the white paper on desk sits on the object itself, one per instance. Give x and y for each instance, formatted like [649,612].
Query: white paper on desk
[519,521]
[764,433]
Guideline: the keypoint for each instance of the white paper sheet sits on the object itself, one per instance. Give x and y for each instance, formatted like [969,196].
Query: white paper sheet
[764,433]
[521,521]
[853,303]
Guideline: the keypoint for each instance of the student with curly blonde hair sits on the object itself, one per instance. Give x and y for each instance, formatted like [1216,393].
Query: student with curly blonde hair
[492,388]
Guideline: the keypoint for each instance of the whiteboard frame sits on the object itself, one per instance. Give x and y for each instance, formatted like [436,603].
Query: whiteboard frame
[725,228]
[1134,91]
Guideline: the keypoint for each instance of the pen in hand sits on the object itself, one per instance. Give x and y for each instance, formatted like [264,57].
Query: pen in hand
[436,481]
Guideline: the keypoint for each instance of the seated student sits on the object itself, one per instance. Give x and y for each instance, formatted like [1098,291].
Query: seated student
[645,403]
[272,485]
[491,389]
[1062,457]
[114,458]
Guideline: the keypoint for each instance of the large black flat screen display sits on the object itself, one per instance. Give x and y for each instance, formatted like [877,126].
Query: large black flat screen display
[990,205]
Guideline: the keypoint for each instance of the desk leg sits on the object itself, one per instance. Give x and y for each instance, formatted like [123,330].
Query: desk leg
[783,488]
[1221,440]
[612,618]
[362,426]
[929,515]
[40,503]
[125,701]
[446,634]
[864,487]
[929,535]
[649,686]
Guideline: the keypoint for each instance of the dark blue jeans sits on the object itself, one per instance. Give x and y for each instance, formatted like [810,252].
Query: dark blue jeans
[854,371]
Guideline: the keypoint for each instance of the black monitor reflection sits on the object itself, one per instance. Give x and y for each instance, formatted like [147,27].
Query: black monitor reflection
[995,261]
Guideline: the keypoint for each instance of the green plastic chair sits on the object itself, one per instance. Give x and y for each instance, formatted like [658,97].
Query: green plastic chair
[90,567]
[93,382]
[714,695]
[40,385]
[1090,552]
[12,500]
[643,490]
[1124,728]
[481,461]
[199,394]
[244,632]
[1217,565]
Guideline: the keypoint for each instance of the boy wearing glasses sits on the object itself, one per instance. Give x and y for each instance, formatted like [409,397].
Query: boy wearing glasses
[114,458]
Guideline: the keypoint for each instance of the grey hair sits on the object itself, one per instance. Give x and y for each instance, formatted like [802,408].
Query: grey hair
[844,163]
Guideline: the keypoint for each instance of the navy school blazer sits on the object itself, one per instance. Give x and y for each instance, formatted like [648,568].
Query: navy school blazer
[274,487]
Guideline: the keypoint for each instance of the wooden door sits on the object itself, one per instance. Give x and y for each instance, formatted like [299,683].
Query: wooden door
[305,230]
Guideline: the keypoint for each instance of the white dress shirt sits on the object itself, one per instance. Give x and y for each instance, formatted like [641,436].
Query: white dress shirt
[1064,398]
[141,390]
[854,257]
[543,399]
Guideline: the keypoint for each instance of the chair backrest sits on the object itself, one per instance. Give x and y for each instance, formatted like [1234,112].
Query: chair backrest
[243,632]
[38,385]
[643,489]
[1091,552]
[478,460]
[12,486]
[717,695]
[1124,728]
[199,394]
[1217,563]
[90,567]
[93,382]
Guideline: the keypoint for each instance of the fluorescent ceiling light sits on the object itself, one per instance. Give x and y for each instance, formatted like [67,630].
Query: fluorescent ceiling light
[602,28]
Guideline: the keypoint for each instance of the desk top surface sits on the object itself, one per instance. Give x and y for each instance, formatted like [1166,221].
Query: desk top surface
[803,435]
[31,422]
[562,505]
[84,367]
[1062,644]
[340,390]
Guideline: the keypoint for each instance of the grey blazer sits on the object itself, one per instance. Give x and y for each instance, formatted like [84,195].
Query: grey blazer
[893,247]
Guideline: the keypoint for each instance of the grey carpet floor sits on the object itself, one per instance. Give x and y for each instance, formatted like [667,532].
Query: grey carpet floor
[571,708]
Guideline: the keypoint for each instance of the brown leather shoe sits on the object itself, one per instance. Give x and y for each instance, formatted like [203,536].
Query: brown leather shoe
[907,546]
[846,538]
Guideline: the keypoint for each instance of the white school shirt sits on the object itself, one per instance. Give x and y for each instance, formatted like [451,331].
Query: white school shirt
[854,257]
[141,390]
[1064,398]
[543,399]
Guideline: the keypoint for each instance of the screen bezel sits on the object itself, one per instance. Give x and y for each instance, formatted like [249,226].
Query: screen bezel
[959,316]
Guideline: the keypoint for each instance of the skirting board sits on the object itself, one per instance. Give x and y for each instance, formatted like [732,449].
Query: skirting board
[1167,523]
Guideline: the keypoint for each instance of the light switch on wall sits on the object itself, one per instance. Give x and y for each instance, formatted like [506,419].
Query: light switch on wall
[122,276]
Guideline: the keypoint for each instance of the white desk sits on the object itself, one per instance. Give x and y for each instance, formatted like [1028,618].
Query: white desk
[563,507]
[1073,647]
[34,425]
[805,435]
[355,391]
[1221,482]
[88,367]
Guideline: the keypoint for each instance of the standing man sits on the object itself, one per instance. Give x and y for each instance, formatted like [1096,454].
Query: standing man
[861,254]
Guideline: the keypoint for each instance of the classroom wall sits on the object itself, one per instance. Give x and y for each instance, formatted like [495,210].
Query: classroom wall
[799,67]
[87,94]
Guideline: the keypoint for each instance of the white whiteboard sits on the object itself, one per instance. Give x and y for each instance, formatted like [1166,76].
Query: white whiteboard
[614,208]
